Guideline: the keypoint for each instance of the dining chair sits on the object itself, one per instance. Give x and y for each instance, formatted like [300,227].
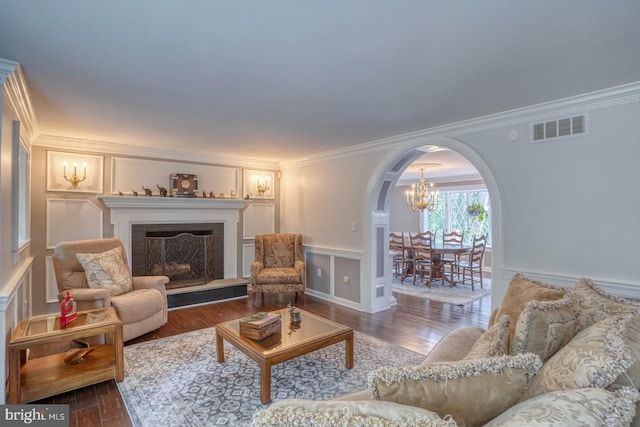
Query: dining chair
[452,238]
[471,263]
[398,250]
[423,256]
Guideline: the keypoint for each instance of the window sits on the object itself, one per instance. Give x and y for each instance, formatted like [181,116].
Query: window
[452,214]
[20,194]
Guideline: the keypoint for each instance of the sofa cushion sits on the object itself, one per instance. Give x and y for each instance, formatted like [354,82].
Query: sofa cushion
[472,391]
[568,408]
[544,327]
[494,342]
[137,305]
[297,412]
[285,276]
[521,290]
[455,345]
[592,303]
[107,270]
[595,357]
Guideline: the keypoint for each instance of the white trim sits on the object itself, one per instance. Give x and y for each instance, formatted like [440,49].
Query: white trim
[50,280]
[621,288]
[18,94]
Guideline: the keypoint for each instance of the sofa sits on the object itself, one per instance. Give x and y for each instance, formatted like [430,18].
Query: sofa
[550,356]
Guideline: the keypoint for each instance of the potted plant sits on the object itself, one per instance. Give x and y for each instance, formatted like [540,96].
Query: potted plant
[478,211]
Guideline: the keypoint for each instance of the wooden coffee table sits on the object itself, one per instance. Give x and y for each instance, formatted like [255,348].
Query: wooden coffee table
[311,334]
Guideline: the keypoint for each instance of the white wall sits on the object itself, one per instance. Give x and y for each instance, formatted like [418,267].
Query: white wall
[569,208]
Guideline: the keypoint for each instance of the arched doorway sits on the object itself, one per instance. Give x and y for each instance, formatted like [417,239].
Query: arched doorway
[379,295]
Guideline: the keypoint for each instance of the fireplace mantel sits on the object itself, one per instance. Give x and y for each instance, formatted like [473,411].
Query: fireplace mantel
[129,210]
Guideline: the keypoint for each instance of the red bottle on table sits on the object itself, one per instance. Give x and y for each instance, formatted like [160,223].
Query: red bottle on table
[67,310]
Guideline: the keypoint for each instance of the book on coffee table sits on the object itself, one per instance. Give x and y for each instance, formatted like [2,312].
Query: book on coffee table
[260,325]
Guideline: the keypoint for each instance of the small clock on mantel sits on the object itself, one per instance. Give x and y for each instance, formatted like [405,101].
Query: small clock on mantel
[184,184]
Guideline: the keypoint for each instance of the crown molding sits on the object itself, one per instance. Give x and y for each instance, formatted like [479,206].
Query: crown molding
[66,143]
[18,94]
[606,98]
[6,68]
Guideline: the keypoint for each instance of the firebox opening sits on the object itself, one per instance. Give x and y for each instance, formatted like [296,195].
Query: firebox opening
[189,254]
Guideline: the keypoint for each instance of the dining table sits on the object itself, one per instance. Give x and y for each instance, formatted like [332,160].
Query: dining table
[439,250]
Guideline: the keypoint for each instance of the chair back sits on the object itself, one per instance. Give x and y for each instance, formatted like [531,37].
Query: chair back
[69,271]
[278,250]
[396,243]
[477,250]
[421,244]
[453,238]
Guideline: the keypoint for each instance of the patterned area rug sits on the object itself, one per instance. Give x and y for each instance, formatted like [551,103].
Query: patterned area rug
[458,295]
[177,381]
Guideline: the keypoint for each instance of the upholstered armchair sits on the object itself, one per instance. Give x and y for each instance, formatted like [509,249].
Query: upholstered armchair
[278,266]
[97,275]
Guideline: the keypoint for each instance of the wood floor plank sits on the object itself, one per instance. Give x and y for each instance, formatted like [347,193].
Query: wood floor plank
[413,324]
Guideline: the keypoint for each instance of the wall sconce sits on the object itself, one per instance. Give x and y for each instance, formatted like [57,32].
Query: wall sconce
[263,186]
[74,179]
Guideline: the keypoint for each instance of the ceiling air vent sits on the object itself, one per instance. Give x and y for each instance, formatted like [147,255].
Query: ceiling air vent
[561,128]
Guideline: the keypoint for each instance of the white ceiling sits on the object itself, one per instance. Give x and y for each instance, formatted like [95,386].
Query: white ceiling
[285,79]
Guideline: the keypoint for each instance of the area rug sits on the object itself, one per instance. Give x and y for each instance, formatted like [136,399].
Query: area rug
[457,295]
[177,381]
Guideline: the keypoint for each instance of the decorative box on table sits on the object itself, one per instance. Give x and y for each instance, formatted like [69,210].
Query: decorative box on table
[260,325]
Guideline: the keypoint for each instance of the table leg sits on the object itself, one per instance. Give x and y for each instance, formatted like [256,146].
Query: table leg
[265,383]
[219,348]
[118,347]
[14,376]
[349,351]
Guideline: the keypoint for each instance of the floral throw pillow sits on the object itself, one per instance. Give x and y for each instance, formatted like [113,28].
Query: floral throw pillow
[595,357]
[592,303]
[521,290]
[107,270]
[494,342]
[472,391]
[544,327]
[364,413]
[572,408]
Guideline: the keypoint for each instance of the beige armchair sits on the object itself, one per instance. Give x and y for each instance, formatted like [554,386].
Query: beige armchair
[141,309]
[278,266]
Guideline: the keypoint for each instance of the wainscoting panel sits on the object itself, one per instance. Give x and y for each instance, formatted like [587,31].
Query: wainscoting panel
[74,219]
[259,219]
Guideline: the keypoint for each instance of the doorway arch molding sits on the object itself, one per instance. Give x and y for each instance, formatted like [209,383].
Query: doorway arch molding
[377,283]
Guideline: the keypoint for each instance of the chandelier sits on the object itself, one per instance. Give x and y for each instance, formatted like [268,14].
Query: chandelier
[421,197]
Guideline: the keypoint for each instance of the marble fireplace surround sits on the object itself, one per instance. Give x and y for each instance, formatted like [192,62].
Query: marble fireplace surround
[128,210]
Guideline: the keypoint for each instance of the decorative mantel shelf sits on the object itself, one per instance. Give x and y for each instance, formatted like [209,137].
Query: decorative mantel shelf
[129,210]
[172,202]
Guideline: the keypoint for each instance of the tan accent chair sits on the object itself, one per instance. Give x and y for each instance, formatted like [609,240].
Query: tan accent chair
[142,310]
[278,266]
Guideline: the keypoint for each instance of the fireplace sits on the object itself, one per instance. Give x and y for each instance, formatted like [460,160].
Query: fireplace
[189,214]
[189,254]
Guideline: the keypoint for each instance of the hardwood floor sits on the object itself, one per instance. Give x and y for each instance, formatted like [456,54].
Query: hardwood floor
[414,324]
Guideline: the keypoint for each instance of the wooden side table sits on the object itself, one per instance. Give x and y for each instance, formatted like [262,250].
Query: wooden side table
[34,379]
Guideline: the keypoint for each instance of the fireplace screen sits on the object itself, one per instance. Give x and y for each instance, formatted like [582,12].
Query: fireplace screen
[185,258]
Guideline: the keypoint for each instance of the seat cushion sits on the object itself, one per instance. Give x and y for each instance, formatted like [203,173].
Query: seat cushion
[138,305]
[285,276]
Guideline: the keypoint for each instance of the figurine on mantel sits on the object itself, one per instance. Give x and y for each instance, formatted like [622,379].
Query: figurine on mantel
[147,191]
[212,195]
[162,190]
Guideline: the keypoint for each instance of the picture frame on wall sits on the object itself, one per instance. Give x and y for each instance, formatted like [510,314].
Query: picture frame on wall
[61,167]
